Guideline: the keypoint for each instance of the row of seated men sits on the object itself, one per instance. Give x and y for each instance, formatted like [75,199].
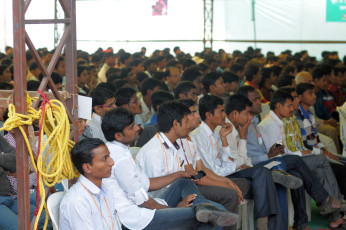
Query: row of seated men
[230,145]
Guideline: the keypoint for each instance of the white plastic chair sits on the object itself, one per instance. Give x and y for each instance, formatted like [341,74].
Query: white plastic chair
[342,115]
[64,183]
[53,204]
[246,218]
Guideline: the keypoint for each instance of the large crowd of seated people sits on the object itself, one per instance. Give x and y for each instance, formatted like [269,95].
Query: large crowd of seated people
[211,129]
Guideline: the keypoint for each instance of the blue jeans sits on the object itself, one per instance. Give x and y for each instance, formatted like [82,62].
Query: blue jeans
[177,191]
[176,219]
[9,213]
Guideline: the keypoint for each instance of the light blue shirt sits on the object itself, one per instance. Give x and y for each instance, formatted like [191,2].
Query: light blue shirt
[254,143]
[79,211]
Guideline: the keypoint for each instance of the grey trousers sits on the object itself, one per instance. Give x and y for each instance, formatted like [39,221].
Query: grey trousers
[322,170]
[320,167]
[226,196]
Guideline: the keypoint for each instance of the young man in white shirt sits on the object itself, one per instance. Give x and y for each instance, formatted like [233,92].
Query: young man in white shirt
[102,101]
[216,155]
[87,204]
[129,185]
[222,190]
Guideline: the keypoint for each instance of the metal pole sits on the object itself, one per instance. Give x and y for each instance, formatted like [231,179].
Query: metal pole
[21,107]
[254,21]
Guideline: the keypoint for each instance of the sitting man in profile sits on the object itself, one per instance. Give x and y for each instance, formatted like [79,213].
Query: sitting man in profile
[87,204]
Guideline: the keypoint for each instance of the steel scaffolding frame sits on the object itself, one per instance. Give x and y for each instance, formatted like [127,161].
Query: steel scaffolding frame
[21,38]
[208,23]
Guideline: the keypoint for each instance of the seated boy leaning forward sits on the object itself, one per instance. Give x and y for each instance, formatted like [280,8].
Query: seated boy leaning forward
[87,205]
[183,206]
[165,154]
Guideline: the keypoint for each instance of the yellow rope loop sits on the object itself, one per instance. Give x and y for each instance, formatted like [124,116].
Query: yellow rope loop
[54,161]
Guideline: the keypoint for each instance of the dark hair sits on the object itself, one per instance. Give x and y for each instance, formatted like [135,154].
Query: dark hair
[286,80]
[100,96]
[148,62]
[160,75]
[276,70]
[266,72]
[135,62]
[229,77]
[237,102]
[147,84]
[288,89]
[6,85]
[106,85]
[245,90]
[251,70]
[279,96]
[188,63]
[82,152]
[32,85]
[301,88]
[170,111]
[115,121]
[112,74]
[210,79]
[187,102]
[33,65]
[123,96]
[124,57]
[236,67]
[289,69]
[141,76]
[60,59]
[160,97]
[57,78]
[318,73]
[183,87]
[208,103]
[3,68]
[118,84]
[190,74]
[80,69]
[124,73]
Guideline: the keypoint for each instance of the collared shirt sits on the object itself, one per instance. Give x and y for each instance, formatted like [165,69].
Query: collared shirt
[187,152]
[209,147]
[325,104]
[146,113]
[95,126]
[102,73]
[237,146]
[254,145]
[272,130]
[128,185]
[79,211]
[159,157]
[307,123]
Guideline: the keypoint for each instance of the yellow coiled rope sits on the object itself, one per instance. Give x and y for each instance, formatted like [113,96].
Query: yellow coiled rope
[55,164]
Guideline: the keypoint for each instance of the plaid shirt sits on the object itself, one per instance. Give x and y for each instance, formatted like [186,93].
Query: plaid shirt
[307,123]
[13,177]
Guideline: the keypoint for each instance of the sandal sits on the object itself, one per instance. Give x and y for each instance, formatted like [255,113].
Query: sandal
[342,226]
[328,207]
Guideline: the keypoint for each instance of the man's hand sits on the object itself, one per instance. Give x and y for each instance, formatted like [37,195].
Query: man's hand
[274,151]
[329,155]
[237,189]
[306,152]
[331,122]
[188,173]
[243,129]
[225,130]
[243,166]
[186,202]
